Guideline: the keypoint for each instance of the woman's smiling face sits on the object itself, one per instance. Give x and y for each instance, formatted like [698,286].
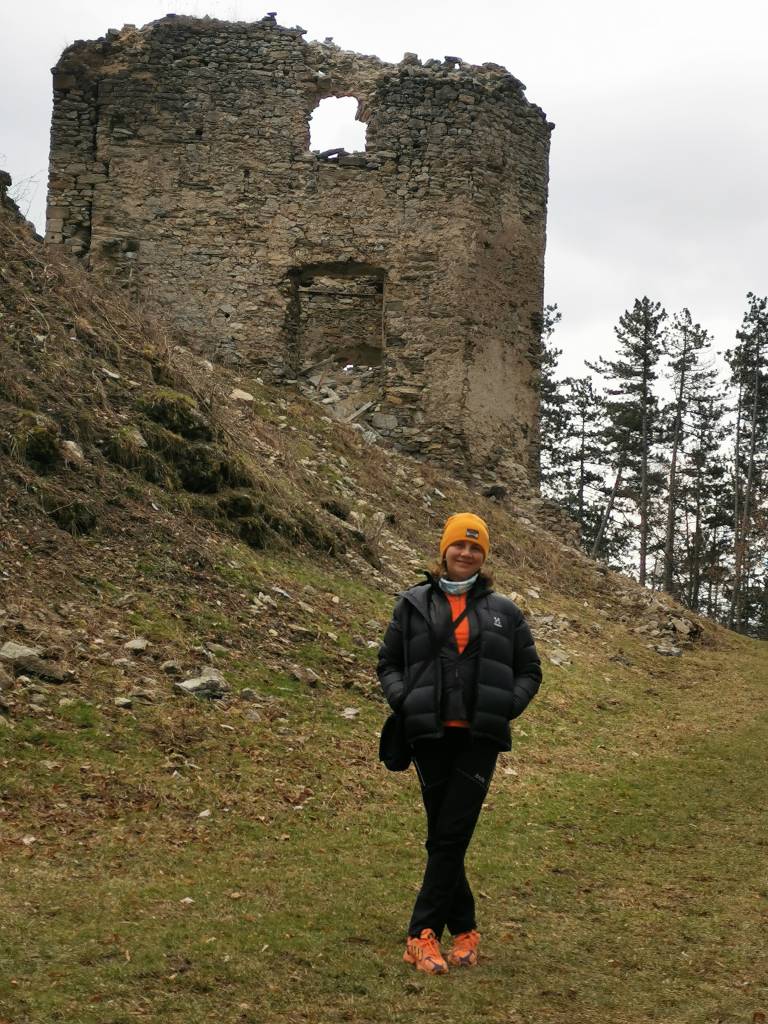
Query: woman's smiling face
[463,559]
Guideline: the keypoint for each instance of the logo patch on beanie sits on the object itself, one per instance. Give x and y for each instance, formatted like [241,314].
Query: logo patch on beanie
[472,533]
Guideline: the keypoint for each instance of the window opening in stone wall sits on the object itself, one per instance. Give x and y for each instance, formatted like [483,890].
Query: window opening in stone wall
[338,317]
[334,130]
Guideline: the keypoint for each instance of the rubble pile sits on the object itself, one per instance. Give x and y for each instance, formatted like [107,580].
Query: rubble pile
[351,393]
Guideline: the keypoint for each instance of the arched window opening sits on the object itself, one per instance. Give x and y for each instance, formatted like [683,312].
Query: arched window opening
[333,129]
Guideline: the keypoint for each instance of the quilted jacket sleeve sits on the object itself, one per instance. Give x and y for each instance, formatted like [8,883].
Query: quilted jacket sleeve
[391,664]
[527,668]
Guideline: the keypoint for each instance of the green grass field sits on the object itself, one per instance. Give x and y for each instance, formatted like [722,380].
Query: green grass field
[620,865]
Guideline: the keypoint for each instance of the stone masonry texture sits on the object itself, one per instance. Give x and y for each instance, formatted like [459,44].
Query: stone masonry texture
[180,166]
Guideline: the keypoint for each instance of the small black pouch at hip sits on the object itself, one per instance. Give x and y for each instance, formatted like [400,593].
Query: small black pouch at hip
[394,748]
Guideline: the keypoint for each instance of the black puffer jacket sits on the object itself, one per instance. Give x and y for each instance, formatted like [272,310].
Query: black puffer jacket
[505,671]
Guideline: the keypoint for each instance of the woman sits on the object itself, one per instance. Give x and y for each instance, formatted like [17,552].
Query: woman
[458,661]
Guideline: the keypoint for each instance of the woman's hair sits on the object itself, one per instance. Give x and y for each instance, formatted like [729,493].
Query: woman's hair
[438,569]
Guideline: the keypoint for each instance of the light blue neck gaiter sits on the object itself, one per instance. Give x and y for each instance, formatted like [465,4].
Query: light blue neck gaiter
[455,587]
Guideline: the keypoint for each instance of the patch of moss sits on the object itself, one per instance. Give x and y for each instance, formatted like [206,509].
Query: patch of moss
[255,532]
[200,468]
[164,441]
[178,413]
[156,471]
[125,447]
[238,505]
[237,473]
[204,506]
[300,526]
[203,470]
[259,523]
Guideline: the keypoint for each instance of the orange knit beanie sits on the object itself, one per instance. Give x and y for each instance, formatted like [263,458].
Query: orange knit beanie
[465,526]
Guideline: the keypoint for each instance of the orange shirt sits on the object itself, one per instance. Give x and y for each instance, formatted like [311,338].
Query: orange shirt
[458,603]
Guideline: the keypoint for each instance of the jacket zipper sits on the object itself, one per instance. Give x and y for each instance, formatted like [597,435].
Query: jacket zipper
[439,686]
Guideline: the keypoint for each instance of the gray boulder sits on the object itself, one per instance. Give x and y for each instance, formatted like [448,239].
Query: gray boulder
[11,651]
[208,685]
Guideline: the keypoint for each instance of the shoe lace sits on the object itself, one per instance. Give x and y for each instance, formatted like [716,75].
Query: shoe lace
[430,946]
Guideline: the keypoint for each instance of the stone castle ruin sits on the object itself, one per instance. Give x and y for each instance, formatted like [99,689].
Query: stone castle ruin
[180,166]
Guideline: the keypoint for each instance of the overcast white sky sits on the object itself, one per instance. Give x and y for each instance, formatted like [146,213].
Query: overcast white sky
[659,165]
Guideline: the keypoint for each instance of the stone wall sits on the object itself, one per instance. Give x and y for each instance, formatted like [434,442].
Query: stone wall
[180,165]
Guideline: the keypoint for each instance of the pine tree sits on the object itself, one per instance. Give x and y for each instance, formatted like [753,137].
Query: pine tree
[748,361]
[585,458]
[554,425]
[632,407]
[571,445]
[690,374]
[705,501]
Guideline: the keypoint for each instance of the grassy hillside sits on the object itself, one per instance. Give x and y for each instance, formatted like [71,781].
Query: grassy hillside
[246,859]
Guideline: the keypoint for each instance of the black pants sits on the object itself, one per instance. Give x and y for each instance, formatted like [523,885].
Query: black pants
[455,773]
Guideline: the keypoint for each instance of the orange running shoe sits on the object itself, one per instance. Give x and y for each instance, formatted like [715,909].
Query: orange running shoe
[424,951]
[464,950]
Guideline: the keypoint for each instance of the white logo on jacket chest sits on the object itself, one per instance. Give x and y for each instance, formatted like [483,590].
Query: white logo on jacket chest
[497,621]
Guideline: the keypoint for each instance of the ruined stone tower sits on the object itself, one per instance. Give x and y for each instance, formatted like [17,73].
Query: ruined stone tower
[180,165]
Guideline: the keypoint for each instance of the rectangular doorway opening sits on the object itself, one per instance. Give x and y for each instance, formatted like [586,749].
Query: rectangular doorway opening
[339,313]
[337,331]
